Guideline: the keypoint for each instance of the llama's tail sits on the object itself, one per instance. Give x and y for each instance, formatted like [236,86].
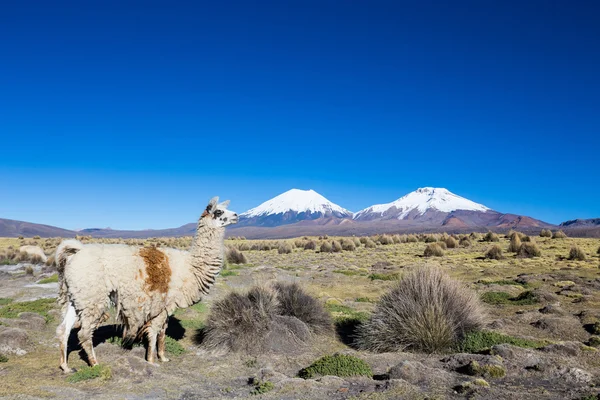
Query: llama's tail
[64,251]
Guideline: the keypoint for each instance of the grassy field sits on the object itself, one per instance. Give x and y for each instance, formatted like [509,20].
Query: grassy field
[350,282]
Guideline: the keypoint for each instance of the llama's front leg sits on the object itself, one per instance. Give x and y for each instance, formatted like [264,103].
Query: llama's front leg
[161,343]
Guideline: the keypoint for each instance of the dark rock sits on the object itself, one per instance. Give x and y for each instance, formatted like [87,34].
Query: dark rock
[564,348]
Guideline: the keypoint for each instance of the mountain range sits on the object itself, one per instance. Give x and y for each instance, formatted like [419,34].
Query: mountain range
[306,212]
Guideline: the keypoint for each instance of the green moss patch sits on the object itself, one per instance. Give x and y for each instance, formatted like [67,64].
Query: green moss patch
[261,387]
[337,365]
[496,298]
[172,346]
[384,277]
[4,301]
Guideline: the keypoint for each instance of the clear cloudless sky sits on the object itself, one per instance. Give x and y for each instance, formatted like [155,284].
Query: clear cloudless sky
[132,114]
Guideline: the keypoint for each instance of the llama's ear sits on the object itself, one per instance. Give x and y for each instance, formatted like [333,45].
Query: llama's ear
[212,203]
[224,204]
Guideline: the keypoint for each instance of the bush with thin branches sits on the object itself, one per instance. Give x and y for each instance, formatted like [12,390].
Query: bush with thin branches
[515,244]
[336,247]
[465,242]
[326,247]
[426,311]
[559,235]
[529,250]
[433,250]
[451,243]
[348,245]
[494,253]
[234,256]
[546,233]
[310,245]
[491,237]
[369,244]
[284,248]
[251,322]
[576,253]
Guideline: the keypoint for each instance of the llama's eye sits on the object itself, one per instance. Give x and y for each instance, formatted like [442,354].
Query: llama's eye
[218,213]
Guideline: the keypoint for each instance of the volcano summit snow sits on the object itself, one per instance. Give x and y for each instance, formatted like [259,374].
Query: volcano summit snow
[418,203]
[293,206]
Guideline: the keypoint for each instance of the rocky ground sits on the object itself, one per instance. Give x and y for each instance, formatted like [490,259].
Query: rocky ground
[560,319]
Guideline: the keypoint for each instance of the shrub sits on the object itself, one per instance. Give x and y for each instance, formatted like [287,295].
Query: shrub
[433,250]
[250,322]
[576,253]
[529,250]
[411,239]
[261,387]
[336,247]
[546,233]
[451,243]
[244,246]
[385,239]
[310,245]
[348,245]
[526,239]
[86,373]
[341,365]
[234,256]
[284,248]
[465,242]
[29,270]
[396,239]
[430,239]
[442,245]
[370,244]
[515,244]
[474,236]
[491,237]
[3,358]
[295,302]
[363,239]
[494,253]
[559,235]
[326,247]
[427,310]
[172,346]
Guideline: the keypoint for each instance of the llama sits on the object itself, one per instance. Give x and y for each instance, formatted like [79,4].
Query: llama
[146,284]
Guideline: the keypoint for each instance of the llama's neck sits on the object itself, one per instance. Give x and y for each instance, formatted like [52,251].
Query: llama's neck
[206,256]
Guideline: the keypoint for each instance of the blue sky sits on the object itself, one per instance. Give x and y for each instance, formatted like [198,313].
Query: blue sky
[133,114]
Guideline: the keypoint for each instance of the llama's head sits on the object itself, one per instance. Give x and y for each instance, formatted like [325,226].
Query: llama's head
[217,215]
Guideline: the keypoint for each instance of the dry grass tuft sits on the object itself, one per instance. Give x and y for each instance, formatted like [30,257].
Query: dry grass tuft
[529,250]
[433,250]
[494,253]
[426,311]
[276,318]
[515,244]
[284,248]
[559,235]
[576,253]
[234,256]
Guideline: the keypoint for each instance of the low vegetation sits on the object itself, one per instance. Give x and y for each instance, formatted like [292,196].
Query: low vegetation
[497,298]
[576,253]
[426,311]
[86,373]
[40,306]
[433,250]
[494,253]
[559,235]
[529,250]
[234,256]
[336,365]
[478,341]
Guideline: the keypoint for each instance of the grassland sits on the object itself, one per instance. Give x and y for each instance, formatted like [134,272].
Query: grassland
[349,282]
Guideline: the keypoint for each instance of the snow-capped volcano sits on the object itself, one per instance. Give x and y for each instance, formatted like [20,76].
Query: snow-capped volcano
[418,203]
[293,206]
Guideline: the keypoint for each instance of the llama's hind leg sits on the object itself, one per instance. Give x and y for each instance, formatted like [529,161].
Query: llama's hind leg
[63,332]
[89,319]
[161,342]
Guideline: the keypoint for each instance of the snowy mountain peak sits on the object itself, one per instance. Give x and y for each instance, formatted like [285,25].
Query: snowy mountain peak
[298,201]
[420,201]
